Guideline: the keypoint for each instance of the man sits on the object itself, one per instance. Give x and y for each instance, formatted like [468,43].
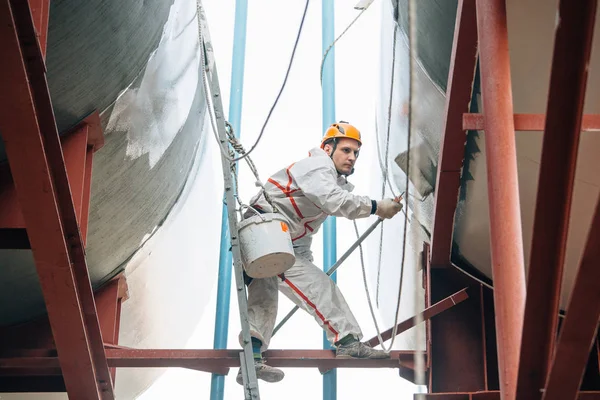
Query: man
[306,193]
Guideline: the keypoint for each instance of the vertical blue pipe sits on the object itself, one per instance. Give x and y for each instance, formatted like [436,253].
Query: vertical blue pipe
[217,386]
[329,230]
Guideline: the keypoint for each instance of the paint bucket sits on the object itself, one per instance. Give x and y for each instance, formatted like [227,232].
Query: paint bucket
[266,245]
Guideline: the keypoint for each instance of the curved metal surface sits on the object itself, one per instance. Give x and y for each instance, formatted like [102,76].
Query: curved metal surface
[95,50]
[153,129]
[153,181]
[531,34]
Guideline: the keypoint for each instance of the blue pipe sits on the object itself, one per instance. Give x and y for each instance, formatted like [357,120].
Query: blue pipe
[329,230]
[217,385]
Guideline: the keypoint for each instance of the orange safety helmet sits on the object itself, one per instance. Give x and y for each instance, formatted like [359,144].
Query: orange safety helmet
[342,129]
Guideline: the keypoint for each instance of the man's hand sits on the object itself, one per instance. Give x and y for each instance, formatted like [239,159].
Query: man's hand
[387,208]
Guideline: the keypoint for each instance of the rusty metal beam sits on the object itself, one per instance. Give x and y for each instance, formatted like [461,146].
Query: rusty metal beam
[578,331]
[458,95]
[489,395]
[40,10]
[529,122]
[572,50]
[428,313]
[34,152]
[87,194]
[43,106]
[214,361]
[508,268]
[74,149]
[108,302]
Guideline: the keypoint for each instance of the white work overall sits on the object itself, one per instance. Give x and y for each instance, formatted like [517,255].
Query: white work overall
[306,193]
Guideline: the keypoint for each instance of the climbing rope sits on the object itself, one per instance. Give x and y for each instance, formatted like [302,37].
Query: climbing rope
[384,170]
[362,261]
[384,167]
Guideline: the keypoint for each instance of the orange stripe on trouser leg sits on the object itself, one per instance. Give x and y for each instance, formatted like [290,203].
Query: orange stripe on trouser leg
[311,304]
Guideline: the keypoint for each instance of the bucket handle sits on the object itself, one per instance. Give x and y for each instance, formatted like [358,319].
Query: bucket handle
[254,211]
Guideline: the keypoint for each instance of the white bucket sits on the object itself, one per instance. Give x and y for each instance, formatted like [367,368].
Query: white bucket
[266,245]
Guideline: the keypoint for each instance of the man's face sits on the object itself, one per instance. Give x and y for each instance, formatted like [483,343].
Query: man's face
[345,154]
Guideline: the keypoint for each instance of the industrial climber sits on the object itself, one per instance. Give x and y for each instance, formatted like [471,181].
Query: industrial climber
[306,193]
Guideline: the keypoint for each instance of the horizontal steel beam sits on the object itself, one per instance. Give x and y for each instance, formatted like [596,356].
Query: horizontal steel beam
[428,313]
[529,122]
[488,395]
[214,361]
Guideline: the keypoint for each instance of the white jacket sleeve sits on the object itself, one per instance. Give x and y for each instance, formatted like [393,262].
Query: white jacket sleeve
[317,178]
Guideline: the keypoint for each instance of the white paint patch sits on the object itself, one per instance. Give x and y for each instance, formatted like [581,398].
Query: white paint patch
[153,113]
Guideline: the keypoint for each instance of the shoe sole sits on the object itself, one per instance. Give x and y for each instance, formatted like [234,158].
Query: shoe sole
[270,377]
[267,377]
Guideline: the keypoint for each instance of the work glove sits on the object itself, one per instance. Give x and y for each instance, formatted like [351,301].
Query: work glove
[387,208]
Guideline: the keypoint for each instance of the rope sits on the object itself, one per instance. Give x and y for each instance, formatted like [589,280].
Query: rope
[235,144]
[384,172]
[225,152]
[239,148]
[338,38]
[384,167]
[364,275]
[287,74]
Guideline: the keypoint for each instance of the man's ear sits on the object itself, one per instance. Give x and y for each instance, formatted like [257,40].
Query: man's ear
[328,149]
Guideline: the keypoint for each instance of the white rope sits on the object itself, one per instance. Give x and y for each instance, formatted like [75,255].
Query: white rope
[366,286]
[384,163]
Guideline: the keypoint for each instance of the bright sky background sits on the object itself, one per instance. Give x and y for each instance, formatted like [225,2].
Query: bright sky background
[294,128]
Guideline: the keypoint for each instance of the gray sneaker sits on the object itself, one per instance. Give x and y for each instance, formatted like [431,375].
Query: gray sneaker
[264,372]
[360,350]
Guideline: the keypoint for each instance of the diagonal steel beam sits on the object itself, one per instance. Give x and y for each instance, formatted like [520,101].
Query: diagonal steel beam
[458,95]
[578,331]
[572,50]
[37,75]
[35,156]
[428,313]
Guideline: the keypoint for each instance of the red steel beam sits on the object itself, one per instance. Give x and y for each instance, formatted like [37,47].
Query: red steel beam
[428,313]
[36,69]
[578,331]
[508,268]
[529,122]
[568,79]
[458,95]
[87,194]
[40,10]
[74,148]
[34,152]
[10,211]
[216,361]
[108,302]
[490,395]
